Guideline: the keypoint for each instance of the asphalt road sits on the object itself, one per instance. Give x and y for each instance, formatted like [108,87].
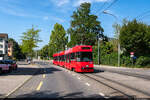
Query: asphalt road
[56,82]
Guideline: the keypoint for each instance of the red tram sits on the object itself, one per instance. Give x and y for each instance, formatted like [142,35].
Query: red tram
[78,58]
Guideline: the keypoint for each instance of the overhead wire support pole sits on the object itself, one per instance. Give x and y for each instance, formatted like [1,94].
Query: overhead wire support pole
[106,12]
[98,51]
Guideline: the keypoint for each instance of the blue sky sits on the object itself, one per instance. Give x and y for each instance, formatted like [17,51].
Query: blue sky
[16,16]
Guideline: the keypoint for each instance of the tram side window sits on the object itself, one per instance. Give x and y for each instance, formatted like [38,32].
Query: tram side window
[68,58]
[78,57]
[72,57]
[65,58]
[59,58]
[62,58]
[55,58]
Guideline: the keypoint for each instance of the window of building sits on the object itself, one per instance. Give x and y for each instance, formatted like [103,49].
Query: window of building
[1,46]
[1,39]
[1,52]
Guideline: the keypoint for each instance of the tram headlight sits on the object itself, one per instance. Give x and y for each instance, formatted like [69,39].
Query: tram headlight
[87,65]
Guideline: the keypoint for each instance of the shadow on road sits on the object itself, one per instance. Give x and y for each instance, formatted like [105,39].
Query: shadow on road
[32,71]
[50,94]
[61,95]
[98,71]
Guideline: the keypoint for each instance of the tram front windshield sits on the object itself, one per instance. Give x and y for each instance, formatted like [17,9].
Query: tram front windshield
[84,57]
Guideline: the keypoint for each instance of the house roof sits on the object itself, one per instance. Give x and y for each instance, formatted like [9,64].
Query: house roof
[3,35]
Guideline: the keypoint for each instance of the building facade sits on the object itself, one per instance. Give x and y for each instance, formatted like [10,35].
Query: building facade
[3,46]
[10,49]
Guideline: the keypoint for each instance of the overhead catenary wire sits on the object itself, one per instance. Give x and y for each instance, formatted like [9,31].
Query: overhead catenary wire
[111,4]
[139,19]
[142,14]
[101,7]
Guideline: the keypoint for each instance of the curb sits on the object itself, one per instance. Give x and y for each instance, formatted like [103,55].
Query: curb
[121,67]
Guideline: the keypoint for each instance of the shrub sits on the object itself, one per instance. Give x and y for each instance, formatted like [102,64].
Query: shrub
[126,61]
[143,61]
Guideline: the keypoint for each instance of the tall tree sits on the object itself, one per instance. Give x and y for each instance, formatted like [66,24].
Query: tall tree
[135,37]
[58,39]
[84,27]
[29,41]
[44,52]
[16,53]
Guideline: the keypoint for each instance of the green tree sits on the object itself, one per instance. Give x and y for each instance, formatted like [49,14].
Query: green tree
[44,52]
[16,53]
[29,41]
[58,39]
[84,27]
[135,37]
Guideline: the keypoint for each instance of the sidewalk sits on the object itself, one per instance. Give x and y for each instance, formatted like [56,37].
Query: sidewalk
[140,71]
[11,81]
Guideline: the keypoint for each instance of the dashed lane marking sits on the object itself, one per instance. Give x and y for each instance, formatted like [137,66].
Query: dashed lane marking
[39,86]
[43,75]
[79,78]
[87,84]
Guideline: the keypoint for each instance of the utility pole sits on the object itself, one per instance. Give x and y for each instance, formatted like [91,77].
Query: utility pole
[98,51]
[106,12]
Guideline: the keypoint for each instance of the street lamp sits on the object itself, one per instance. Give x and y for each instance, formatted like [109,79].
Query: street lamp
[98,51]
[106,12]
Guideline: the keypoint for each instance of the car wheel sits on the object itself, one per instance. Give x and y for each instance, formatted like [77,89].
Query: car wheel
[0,71]
[16,67]
[10,69]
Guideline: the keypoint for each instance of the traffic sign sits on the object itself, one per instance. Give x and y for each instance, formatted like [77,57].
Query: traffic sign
[131,53]
[131,56]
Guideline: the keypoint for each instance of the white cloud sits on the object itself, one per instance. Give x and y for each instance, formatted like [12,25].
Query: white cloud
[51,17]
[75,3]
[59,19]
[78,2]
[12,12]
[60,3]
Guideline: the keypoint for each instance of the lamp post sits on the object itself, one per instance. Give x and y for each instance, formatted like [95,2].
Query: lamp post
[98,51]
[106,12]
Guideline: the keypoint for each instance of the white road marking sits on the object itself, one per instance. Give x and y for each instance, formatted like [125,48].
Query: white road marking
[101,94]
[79,78]
[73,74]
[87,84]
